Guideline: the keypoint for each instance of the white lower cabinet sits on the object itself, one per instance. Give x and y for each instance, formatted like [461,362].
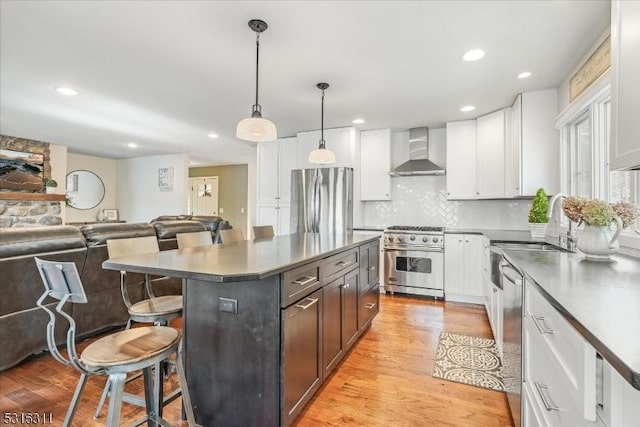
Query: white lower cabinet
[464,267]
[276,216]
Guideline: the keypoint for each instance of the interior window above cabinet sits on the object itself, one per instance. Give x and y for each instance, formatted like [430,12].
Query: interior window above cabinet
[342,141]
[375,182]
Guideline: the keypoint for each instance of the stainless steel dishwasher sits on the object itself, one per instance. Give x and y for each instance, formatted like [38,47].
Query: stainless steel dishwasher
[512,289]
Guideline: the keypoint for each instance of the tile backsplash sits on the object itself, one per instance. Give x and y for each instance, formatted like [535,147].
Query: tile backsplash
[422,200]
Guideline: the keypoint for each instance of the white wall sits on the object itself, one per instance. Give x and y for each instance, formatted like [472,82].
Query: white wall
[138,197]
[103,168]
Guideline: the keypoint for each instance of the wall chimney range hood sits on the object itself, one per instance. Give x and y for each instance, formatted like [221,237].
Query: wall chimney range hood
[418,163]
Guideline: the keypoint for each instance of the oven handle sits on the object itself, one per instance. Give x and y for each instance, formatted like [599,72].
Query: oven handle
[415,249]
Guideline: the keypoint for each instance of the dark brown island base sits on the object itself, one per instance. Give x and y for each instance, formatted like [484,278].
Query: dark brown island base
[267,321]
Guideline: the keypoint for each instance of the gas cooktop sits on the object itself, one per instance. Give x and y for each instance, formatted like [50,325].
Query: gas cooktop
[415,228]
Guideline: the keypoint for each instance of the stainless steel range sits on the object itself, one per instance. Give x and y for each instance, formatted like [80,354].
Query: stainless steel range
[414,260]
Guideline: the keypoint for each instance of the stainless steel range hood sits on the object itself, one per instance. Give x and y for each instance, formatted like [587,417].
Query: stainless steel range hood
[418,163]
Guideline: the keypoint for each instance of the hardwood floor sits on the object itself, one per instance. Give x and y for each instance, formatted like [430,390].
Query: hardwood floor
[384,381]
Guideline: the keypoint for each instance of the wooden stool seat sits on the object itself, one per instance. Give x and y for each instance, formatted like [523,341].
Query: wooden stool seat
[130,346]
[158,306]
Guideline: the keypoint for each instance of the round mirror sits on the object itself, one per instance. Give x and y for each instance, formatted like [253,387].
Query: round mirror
[85,189]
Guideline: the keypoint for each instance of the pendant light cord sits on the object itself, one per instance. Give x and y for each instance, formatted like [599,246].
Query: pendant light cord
[257,64]
[322,144]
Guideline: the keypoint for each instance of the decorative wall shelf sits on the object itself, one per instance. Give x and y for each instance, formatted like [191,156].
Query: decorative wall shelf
[17,195]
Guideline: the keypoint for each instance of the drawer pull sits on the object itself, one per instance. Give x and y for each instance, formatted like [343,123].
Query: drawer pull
[540,388]
[370,306]
[345,286]
[304,307]
[372,268]
[343,263]
[305,280]
[539,322]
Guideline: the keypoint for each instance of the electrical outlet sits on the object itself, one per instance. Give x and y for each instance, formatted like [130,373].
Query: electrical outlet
[241,210]
[221,210]
[228,305]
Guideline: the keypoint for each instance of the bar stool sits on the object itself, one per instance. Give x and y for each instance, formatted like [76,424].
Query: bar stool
[115,355]
[156,310]
[193,240]
[262,231]
[231,235]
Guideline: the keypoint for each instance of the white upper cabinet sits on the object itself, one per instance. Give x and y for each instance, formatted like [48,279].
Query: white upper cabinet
[490,152]
[375,161]
[540,143]
[342,141]
[276,160]
[512,187]
[461,160]
[625,86]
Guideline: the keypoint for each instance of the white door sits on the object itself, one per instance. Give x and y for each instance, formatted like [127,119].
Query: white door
[203,198]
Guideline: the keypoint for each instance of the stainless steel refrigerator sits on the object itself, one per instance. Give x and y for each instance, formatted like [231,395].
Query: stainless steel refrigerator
[322,200]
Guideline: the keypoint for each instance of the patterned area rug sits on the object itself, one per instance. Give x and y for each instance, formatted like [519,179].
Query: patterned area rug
[469,360]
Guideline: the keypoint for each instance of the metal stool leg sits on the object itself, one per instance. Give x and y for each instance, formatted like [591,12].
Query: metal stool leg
[148,394]
[115,401]
[74,401]
[186,397]
[105,392]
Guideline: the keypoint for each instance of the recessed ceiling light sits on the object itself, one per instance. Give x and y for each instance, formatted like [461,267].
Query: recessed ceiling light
[212,135]
[467,108]
[524,75]
[67,91]
[132,145]
[357,121]
[473,55]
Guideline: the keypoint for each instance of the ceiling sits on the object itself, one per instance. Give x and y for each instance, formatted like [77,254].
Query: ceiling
[164,74]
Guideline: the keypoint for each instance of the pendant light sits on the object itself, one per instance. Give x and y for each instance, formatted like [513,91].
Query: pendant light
[322,155]
[255,128]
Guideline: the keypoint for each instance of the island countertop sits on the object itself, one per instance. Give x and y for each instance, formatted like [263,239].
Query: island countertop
[240,261]
[600,299]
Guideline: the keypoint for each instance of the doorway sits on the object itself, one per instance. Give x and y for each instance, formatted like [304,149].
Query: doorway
[203,197]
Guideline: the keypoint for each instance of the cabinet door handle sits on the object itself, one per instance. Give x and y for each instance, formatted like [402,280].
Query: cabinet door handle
[370,306]
[312,301]
[541,327]
[346,285]
[305,280]
[372,268]
[541,389]
[343,263]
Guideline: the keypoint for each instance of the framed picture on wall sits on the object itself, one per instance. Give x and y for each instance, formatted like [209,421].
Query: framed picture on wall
[110,214]
[165,178]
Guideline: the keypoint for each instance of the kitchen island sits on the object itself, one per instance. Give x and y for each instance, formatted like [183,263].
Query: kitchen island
[266,321]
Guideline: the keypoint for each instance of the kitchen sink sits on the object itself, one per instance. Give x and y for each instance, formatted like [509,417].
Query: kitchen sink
[527,247]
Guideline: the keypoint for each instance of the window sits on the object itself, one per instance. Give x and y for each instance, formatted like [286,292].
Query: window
[585,150]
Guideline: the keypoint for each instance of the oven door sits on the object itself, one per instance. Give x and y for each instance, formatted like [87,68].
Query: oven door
[414,269]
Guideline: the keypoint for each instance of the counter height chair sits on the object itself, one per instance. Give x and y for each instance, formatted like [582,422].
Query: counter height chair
[262,231]
[231,235]
[193,240]
[115,355]
[156,310]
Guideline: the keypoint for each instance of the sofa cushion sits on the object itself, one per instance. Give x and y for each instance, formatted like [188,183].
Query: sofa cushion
[168,229]
[172,218]
[36,240]
[98,234]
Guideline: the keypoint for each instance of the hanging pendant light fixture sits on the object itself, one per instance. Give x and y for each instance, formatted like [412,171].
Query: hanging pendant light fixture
[255,128]
[322,155]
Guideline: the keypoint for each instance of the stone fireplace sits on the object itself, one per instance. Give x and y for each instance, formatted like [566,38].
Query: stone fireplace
[29,208]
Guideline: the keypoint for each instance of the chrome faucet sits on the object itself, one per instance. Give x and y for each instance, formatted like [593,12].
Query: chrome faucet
[568,240]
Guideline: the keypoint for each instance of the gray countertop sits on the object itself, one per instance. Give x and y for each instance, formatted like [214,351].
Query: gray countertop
[240,261]
[600,299]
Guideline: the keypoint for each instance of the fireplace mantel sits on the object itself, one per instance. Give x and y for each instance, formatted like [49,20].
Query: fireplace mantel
[17,195]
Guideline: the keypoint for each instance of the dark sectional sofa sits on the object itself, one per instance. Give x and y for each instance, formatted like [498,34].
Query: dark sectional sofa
[23,324]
